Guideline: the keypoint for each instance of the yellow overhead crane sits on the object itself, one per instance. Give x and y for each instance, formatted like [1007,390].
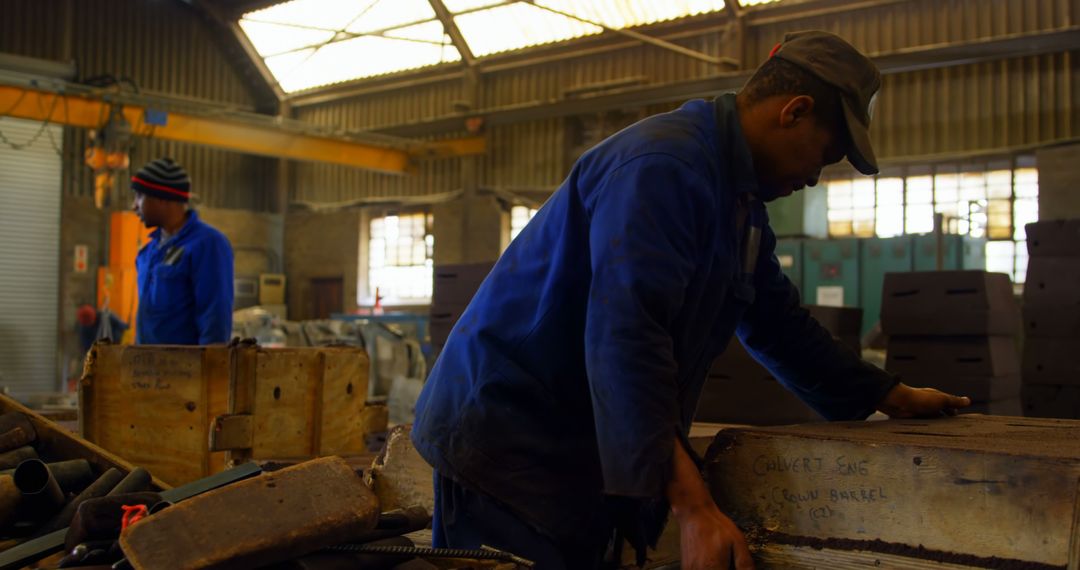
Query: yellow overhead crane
[241,132]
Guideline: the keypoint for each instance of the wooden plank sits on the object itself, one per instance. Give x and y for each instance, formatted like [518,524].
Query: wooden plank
[913,483]
[56,442]
[374,418]
[285,396]
[149,404]
[787,557]
[344,392]
[243,362]
[231,431]
[217,370]
[262,520]
[1074,539]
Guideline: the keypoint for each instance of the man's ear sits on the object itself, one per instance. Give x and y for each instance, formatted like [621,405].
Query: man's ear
[797,109]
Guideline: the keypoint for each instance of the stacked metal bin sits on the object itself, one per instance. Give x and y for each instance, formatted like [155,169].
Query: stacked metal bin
[1051,370]
[850,272]
[956,331]
[878,257]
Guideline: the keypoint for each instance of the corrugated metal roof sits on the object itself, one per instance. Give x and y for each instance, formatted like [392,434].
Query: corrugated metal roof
[311,43]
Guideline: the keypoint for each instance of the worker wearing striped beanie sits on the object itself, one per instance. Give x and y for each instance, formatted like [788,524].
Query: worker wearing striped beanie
[163,178]
[185,272]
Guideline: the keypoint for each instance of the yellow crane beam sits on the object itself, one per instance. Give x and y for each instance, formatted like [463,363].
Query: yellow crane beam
[227,132]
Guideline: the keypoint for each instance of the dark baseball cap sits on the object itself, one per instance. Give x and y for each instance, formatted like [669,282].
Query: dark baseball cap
[839,64]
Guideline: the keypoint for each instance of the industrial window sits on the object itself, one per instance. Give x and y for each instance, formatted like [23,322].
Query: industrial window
[993,200]
[400,263]
[519,217]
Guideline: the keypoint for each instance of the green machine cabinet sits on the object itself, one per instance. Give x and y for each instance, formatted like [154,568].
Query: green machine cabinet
[880,256]
[961,252]
[831,272]
[973,255]
[790,254]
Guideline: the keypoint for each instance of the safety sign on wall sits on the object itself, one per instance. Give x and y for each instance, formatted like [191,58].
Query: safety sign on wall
[82,252]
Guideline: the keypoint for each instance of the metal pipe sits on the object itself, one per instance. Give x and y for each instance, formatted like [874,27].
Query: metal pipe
[158,507]
[71,474]
[10,459]
[15,431]
[41,494]
[137,480]
[98,488]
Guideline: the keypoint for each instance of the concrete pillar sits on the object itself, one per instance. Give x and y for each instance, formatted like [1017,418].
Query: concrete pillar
[470,230]
[321,245]
[1059,178]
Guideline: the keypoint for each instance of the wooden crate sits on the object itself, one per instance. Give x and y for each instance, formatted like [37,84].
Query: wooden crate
[54,443]
[185,412]
[976,491]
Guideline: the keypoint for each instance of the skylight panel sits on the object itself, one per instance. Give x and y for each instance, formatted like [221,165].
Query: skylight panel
[455,6]
[312,43]
[385,14]
[365,56]
[620,14]
[270,39]
[325,14]
[431,32]
[516,26]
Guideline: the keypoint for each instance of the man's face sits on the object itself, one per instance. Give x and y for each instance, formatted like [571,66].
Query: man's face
[801,148]
[148,209]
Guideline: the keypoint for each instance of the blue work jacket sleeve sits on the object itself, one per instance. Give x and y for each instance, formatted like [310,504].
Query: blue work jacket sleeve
[645,227]
[801,354]
[213,282]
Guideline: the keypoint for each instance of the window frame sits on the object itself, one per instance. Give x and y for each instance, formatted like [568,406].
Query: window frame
[365,287]
[839,217]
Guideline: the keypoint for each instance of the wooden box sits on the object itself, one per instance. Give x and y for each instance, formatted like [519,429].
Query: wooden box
[185,412]
[55,443]
[976,491]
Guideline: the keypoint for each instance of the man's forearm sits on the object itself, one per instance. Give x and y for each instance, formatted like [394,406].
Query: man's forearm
[686,492]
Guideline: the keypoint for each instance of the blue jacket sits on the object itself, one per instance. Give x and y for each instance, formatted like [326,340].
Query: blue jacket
[185,287]
[582,356]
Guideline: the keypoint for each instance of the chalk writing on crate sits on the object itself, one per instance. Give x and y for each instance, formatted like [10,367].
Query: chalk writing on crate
[765,464]
[151,371]
[842,474]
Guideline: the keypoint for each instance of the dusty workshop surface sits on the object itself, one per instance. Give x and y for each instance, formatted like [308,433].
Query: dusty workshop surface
[980,491]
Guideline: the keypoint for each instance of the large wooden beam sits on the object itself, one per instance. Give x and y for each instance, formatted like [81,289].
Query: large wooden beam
[984,491]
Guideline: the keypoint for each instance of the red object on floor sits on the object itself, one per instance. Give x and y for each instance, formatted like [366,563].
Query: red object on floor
[132,515]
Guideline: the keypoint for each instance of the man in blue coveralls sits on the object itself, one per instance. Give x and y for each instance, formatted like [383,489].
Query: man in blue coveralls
[185,273]
[557,414]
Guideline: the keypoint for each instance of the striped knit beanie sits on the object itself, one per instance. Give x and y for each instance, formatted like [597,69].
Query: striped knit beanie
[163,178]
